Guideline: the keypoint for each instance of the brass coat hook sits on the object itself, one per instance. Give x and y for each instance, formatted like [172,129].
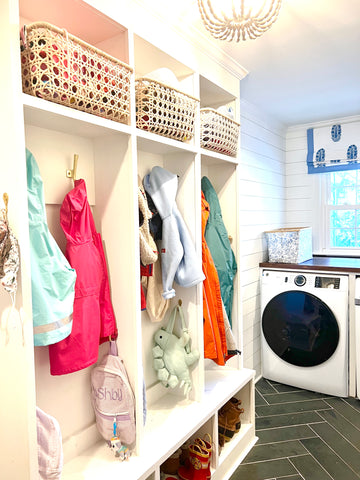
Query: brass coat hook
[72,173]
[6,202]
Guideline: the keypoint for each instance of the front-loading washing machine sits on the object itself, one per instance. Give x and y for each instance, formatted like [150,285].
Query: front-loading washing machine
[304,330]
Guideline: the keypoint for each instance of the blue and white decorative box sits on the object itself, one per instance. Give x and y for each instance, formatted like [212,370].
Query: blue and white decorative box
[289,245]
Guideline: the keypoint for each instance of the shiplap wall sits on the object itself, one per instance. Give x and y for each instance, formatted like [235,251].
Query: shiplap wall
[262,200]
[298,190]
[275,191]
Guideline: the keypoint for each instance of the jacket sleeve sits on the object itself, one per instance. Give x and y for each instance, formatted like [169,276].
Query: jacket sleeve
[171,254]
[189,270]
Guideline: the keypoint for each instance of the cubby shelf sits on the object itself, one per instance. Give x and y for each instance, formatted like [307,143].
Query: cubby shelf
[43,113]
[172,421]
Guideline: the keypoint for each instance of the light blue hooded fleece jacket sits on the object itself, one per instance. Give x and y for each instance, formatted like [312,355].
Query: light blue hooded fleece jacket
[179,260]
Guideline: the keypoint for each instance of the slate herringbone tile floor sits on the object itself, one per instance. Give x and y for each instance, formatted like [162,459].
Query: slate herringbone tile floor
[302,436]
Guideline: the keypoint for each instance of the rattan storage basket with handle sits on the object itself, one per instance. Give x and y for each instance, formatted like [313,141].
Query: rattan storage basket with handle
[218,132]
[164,110]
[61,68]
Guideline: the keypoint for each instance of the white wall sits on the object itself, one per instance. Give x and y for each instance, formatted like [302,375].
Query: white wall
[298,190]
[262,200]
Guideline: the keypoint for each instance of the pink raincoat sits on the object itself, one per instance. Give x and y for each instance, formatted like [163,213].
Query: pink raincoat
[93,317]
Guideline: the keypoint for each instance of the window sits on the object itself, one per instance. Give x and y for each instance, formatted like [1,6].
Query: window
[342,211]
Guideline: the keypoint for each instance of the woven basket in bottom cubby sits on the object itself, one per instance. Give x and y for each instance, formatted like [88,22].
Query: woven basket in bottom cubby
[61,68]
[164,110]
[218,132]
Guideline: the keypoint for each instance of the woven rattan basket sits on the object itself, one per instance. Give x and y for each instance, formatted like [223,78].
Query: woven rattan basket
[63,69]
[218,132]
[164,110]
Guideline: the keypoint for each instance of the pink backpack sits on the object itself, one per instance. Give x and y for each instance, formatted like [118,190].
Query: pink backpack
[113,399]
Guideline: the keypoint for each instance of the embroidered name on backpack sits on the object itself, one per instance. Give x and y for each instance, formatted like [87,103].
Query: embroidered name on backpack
[103,393]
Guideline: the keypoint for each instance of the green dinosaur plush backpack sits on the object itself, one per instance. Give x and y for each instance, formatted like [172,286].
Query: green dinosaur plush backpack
[173,355]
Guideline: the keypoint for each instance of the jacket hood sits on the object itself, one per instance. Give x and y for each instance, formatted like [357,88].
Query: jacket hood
[35,187]
[162,186]
[211,197]
[74,217]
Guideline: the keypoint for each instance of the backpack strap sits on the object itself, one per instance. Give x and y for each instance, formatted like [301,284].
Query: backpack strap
[183,326]
[113,350]
[171,323]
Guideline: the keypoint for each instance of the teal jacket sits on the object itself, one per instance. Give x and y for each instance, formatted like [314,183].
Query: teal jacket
[52,278]
[217,239]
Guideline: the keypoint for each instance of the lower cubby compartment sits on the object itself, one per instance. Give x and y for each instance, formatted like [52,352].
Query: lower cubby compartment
[171,422]
[200,442]
[230,383]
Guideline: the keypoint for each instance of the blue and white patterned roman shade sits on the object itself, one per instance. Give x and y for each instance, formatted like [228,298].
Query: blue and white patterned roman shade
[333,148]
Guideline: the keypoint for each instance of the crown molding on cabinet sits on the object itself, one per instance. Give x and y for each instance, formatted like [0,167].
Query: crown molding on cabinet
[148,21]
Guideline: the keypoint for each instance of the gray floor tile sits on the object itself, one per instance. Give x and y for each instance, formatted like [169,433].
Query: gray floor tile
[299,432]
[274,421]
[290,477]
[283,434]
[279,387]
[263,386]
[259,399]
[354,402]
[339,444]
[309,468]
[342,425]
[264,470]
[299,396]
[259,453]
[305,406]
[350,413]
[328,459]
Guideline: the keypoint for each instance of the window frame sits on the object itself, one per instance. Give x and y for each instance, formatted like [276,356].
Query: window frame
[322,219]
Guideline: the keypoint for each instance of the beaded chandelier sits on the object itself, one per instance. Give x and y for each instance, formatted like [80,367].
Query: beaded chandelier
[238,19]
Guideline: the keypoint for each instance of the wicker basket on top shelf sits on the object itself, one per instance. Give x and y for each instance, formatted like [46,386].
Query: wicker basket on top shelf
[164,110]
[218,132]
[61,68]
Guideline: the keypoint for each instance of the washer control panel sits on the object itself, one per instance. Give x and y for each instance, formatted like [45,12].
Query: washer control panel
[307,281]
[327,282]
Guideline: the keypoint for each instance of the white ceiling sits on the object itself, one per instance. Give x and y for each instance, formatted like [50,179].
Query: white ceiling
[306,68]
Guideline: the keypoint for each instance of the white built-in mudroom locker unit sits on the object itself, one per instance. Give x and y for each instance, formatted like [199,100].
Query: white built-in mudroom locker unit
[111,156]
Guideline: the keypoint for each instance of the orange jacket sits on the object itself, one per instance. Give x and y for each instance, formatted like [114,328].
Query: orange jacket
[214,330]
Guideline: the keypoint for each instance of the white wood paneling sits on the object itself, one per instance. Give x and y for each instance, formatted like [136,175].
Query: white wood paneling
[262,197]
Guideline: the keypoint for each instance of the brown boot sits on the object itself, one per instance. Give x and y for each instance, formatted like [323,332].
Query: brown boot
[172,463]
[184,457]
[229,420]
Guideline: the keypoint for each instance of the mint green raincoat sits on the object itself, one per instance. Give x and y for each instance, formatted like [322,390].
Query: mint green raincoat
[52,278]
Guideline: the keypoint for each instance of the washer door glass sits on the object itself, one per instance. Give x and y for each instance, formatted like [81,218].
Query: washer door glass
[300,328]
